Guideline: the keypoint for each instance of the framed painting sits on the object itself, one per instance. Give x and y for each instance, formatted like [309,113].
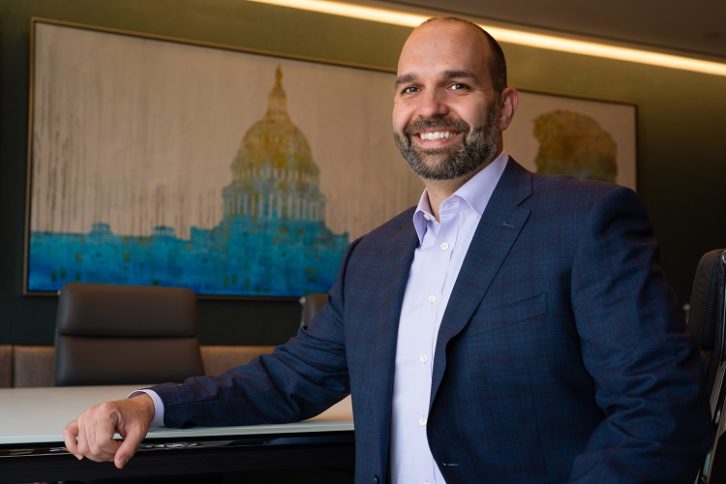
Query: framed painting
[234,173]
[581,137]
[160,161]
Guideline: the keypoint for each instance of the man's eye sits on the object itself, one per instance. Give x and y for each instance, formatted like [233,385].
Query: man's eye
[458,86]
[409,90]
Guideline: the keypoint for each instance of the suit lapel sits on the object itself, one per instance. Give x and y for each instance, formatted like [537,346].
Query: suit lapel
[398,257]
[499,227]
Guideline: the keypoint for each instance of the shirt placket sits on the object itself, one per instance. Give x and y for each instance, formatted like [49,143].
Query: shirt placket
[443,237]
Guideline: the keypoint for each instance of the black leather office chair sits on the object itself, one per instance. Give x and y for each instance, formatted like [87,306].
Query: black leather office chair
[311,304]
[108,334]
[707,322]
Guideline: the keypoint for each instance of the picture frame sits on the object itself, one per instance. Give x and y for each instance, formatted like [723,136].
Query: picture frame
[235,173]
[586,138]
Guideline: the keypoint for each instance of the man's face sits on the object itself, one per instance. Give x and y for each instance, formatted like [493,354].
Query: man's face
[446,115]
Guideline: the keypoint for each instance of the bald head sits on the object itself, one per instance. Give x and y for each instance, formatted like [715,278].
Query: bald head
[451,102]
[491,51]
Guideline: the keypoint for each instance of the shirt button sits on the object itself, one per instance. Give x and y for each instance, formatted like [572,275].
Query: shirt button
[422,421]
[431,299]
[423,358]
[444,246]
[427,216]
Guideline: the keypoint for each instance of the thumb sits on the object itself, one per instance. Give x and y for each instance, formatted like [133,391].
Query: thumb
[128,447]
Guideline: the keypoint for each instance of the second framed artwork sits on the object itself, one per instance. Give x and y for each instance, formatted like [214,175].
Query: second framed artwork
[580,137]
[237,174]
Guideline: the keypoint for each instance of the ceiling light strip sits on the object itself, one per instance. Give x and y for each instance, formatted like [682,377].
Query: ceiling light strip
[513,36]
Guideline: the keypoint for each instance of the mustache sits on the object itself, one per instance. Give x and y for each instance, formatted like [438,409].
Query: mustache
[421,124]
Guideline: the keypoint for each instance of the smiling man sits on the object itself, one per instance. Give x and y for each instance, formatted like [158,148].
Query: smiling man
[509,328]
[451,104]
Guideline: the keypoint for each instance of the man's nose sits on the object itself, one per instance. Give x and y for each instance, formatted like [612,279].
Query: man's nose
[432,103]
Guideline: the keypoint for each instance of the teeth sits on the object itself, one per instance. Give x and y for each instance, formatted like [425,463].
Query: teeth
[436,135]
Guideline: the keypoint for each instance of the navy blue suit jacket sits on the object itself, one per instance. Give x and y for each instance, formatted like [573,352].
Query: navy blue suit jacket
[562,355]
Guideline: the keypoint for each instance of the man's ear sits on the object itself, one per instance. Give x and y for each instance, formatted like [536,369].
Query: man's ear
[508,101]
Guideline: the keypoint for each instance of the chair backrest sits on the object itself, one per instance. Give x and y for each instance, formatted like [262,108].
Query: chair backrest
[706,313]
[109,334]
[311,304]
[707,323]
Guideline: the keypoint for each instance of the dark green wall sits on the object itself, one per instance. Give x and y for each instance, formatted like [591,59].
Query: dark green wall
[681,125]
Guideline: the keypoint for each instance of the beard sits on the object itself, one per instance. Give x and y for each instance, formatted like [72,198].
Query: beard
[477,149]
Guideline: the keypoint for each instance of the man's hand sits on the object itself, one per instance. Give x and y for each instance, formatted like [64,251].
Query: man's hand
[91,434]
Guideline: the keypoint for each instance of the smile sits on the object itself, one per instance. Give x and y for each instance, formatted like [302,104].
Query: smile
[434,135]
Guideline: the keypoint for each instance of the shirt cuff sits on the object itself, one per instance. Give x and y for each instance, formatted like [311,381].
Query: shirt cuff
[158,420]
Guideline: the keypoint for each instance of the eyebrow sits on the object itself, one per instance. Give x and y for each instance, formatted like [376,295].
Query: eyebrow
[450,74]
[459,74]
[404,79]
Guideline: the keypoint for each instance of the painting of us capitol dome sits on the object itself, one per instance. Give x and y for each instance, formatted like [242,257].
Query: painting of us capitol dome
[271,241]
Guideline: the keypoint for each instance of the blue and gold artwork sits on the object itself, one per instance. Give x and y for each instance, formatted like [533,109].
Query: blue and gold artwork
[272,239]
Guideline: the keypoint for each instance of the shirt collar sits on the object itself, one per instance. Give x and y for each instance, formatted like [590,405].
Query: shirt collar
[476,192]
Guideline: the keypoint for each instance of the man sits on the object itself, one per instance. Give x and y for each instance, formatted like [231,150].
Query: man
[511,328]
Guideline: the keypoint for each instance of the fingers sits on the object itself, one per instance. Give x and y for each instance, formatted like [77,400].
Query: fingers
[91,435]
[133,426]
[70,433]
[127,449]
[82,443]
[96,433]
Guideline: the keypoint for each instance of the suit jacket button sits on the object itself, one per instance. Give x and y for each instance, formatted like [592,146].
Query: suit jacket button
[377,479]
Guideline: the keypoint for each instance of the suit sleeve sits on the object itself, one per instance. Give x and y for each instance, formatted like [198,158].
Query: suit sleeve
[298,380]
[635,345]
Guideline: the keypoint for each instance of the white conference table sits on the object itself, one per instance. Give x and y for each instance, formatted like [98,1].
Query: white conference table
[31,440]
